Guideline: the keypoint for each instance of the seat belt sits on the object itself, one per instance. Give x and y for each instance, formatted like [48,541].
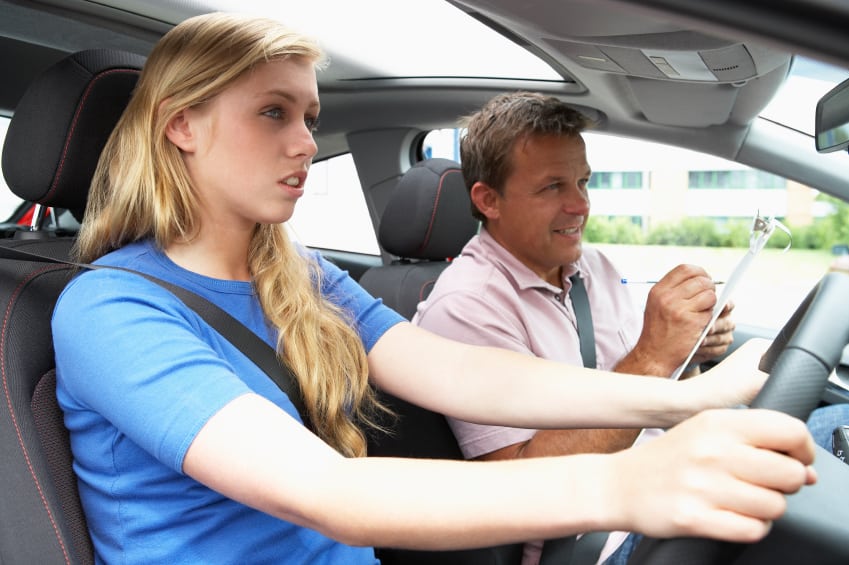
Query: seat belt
[259,352]
[584,320]
[587,548]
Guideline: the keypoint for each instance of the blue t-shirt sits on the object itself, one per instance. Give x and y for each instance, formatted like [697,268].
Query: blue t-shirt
[138,375]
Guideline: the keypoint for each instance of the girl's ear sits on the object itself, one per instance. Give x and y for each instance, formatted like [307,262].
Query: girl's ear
[486,200]
[179,131]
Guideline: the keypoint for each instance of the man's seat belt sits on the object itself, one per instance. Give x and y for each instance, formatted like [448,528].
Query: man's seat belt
[587,548]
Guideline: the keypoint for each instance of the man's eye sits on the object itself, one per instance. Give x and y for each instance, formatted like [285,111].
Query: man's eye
[311,123]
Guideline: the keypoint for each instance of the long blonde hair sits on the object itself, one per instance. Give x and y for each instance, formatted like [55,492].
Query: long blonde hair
[141,189]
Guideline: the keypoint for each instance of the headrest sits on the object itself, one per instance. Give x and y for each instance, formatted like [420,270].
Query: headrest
[429,214]
[62,123]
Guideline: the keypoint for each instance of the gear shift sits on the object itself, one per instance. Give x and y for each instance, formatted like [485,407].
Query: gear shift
[840,443]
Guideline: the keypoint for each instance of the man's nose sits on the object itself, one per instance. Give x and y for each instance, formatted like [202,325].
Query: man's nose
[576,201]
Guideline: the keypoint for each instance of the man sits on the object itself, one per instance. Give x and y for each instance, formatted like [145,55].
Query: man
[525,166]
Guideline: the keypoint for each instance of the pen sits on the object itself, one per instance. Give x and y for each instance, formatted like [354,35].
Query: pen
[629,281]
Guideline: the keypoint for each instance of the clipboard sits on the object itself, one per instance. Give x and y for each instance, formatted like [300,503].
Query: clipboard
[762,230]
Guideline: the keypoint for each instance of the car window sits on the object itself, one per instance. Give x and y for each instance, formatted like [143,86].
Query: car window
[656,206]
[333,214]
[8,201]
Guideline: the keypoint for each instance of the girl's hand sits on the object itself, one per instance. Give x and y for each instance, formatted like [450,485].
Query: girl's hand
[721,474]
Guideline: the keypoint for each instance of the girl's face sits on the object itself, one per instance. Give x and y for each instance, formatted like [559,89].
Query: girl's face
[248,149]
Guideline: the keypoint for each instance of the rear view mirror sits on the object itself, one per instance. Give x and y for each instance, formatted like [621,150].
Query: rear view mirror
[832,119]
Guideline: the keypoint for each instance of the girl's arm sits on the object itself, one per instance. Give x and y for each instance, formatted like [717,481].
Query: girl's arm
[495,386]
[715,475]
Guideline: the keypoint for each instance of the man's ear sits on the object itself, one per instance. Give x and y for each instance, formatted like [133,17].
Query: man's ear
[178,130]
[486,200]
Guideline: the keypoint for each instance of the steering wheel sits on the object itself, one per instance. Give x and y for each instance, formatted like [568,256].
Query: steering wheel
[815,528]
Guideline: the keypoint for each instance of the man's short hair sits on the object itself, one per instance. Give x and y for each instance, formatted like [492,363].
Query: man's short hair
[504,121]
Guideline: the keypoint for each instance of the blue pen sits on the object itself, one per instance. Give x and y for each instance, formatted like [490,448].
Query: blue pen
[629,281]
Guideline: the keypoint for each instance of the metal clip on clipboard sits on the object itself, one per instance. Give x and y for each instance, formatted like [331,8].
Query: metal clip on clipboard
[762,229]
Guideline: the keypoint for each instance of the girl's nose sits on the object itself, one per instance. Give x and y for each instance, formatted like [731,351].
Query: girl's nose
[304,144]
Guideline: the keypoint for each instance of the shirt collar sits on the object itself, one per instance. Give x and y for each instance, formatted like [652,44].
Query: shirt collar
[523,276]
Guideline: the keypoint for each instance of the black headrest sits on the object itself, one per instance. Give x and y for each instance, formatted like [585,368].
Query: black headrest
[62,123]
[429,214]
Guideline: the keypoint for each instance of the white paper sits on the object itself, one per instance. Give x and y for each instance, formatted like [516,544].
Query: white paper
[762,229]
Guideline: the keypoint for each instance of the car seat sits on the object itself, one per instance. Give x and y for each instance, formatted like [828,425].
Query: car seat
[426,222]
[51,150]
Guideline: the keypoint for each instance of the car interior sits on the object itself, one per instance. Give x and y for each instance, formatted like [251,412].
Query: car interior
[690,75]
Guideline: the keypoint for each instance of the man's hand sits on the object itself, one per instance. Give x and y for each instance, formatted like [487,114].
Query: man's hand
[677,310]
[719,337]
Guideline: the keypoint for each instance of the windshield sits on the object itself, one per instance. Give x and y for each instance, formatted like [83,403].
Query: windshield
[793,106]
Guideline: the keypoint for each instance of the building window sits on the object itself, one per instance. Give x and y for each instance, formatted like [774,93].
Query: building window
[632,180]
[738,179]
[610,180]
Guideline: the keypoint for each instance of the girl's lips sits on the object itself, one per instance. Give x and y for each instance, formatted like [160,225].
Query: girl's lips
[295,180]
[293,190]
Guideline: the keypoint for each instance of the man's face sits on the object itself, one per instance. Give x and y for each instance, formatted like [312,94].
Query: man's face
[541,214]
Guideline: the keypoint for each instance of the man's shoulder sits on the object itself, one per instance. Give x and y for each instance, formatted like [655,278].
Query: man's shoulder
[472,283]
[473,273]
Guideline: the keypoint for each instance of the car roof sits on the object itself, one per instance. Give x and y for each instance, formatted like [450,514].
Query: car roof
[725,62]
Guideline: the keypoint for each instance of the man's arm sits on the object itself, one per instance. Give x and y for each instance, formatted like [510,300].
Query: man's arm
[547,443]
[470,319]
[679,306]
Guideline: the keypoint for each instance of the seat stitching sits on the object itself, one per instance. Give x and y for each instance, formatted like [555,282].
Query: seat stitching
[433,209]
[9,405]
[424,285]
[70,135]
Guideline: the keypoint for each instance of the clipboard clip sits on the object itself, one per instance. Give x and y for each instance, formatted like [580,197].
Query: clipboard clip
[762,229]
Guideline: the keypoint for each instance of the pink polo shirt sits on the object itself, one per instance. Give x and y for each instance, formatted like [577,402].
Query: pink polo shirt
[488,297]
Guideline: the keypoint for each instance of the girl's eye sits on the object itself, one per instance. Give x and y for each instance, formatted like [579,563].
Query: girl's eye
[311,123]
[274,113]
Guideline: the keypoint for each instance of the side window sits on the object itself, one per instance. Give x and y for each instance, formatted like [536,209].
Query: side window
[8,201]
[443,143]
[333,214]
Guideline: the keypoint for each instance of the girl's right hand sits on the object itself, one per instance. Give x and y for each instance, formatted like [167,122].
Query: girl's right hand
[721,474]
